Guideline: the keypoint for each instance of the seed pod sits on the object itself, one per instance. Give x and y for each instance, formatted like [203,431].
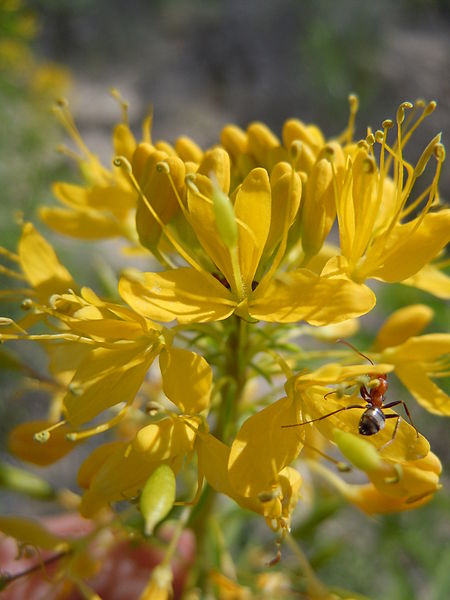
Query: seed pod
[359,452]
[157,497]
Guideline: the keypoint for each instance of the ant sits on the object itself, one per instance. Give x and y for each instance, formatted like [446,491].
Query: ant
[373,418]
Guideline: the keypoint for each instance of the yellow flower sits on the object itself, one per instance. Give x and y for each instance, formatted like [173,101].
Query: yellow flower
[416,362]
[240,282]
[376,238]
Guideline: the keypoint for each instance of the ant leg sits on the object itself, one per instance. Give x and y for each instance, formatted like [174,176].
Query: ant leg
[408,414]
[364,393]
[394,433]
[325,416]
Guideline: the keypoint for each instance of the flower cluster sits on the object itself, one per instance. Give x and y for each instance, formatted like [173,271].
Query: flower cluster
[243,264]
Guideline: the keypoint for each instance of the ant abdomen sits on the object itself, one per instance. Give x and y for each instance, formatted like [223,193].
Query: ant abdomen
[372,421]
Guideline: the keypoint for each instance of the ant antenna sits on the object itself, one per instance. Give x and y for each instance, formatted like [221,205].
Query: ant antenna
[354,349]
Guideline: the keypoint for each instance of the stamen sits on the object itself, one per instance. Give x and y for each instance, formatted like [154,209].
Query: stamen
[123,104]
[62,113]
[354,106]
[163,167]
[11,273]
[10,255]
[76,436]
[147,125]
[44,435]
[122,163]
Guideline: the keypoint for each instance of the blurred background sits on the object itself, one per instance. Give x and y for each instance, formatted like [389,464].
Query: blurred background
[202,64]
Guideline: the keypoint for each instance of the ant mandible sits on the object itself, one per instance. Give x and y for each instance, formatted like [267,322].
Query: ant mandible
[373,418]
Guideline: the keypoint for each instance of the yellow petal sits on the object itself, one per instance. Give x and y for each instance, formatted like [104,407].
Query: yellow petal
[252,208]
[432,280]
[261,140]
[410,249]
[22,444]
[186,378]
[421,348]
[94,462]
[203,220]
[41,265]
[165,439]
[304,296]
[412,482]
[107,377]
[184,294]
[124,141]
[86,225]
[424,390]
[213,458]
[371,501]
[188,150]
[286,194]
[403,324]
[217,161]
[318,207]
[262,448]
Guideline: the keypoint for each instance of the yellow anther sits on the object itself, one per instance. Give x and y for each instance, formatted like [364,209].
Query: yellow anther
[363,144]
[387,124]
[369,165]
[426,155]
[379,136]
[163,167]
[191,185]
[439,152]
[353,101]
[75,390]
[295,150]
[429,108]
[26,304]
[123,163]
[328,153]
[398,474]
[401,111]
[370,139]
[42,436]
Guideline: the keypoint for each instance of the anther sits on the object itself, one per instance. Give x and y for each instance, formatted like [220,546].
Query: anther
[429,108]
[75,390]
[26,304]
[191,185]
[295,150]
[363,144]
[426,155]
[122,163]
[387,124]
[370,139]
[353,101]
[401,111]
[269,495]
[439,152]
[43,436]
[163,167]
[329,153]
[368,165]
[379,136]
[395,478]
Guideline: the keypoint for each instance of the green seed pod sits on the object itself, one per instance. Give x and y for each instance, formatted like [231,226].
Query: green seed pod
[225,219]
[359,452]
[19,480]
[157,497]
